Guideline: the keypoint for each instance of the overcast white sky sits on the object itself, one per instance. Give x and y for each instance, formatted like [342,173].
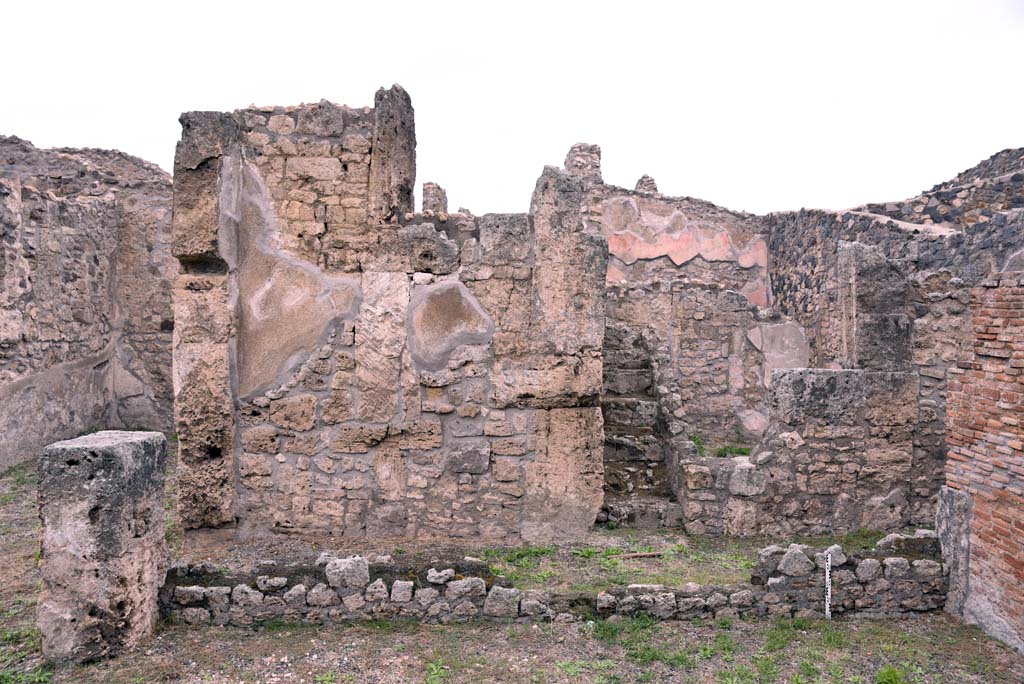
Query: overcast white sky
[759,106]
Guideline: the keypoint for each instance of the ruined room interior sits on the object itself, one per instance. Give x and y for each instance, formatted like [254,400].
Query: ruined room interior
[338,370]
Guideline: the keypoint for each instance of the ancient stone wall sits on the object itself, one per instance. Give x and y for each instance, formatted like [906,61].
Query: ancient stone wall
[85,312]
[690,341]
[938,260]
[346,367]
[981,520]
[836,457]
[975,197]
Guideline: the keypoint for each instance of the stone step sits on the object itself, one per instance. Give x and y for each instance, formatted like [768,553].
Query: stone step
[641,512]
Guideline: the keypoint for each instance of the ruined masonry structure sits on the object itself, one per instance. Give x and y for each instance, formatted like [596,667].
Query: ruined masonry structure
[344,366]
[85,301]
[101,500]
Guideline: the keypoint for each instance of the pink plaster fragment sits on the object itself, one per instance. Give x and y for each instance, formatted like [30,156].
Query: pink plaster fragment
[615,275]
[756,293]
[756,254]
[680,247]
[715,245]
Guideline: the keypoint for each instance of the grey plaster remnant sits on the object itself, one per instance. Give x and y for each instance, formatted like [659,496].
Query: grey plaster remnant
[287,306]
[442,317]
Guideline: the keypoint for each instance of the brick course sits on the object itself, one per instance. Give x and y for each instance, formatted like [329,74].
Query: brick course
[986,457]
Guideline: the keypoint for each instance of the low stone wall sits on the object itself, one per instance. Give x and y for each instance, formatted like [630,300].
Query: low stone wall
[786,582]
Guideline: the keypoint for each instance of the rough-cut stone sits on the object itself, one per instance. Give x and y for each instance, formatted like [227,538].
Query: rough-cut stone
[348,573]
[435,576]
[377,590]
[471,586]
[103,554]
[401,591]
[502,602]
[868,569]
[795,562]
[322,595]
[435,199]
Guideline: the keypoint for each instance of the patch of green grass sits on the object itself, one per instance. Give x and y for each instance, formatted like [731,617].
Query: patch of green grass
[698,442]
[9,497]
[606,631]
[808,669]
[891,675]
[587,553]
[741,674]
[767,669]
[326,678]
[785,632]
[832,637]
[732,450]
[573,668]
[852,542]
[646,653]
[21,475]
[39,675]
[380,625]
[279,626]
[437,672]
[725,644]
[527,553]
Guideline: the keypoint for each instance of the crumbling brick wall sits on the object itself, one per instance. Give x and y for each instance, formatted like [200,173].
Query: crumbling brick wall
[983,518]
[85,311]
[347,367]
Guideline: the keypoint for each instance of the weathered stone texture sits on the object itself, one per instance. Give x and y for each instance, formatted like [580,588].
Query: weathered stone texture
[103,555]
[85,309]
[784,583]
[351,368]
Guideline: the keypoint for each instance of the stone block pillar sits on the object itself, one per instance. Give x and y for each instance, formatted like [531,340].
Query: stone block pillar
[101,500]
[202,234]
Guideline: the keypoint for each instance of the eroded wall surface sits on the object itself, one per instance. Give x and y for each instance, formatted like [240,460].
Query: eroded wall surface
[344,366]
[85,311]
[103,554]
[942,242]
[690,338]
[704,304]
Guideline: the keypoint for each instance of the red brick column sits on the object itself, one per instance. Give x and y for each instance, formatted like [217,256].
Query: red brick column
[985,433]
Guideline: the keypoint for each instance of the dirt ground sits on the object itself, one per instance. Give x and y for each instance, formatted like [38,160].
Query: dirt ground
[928,649]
